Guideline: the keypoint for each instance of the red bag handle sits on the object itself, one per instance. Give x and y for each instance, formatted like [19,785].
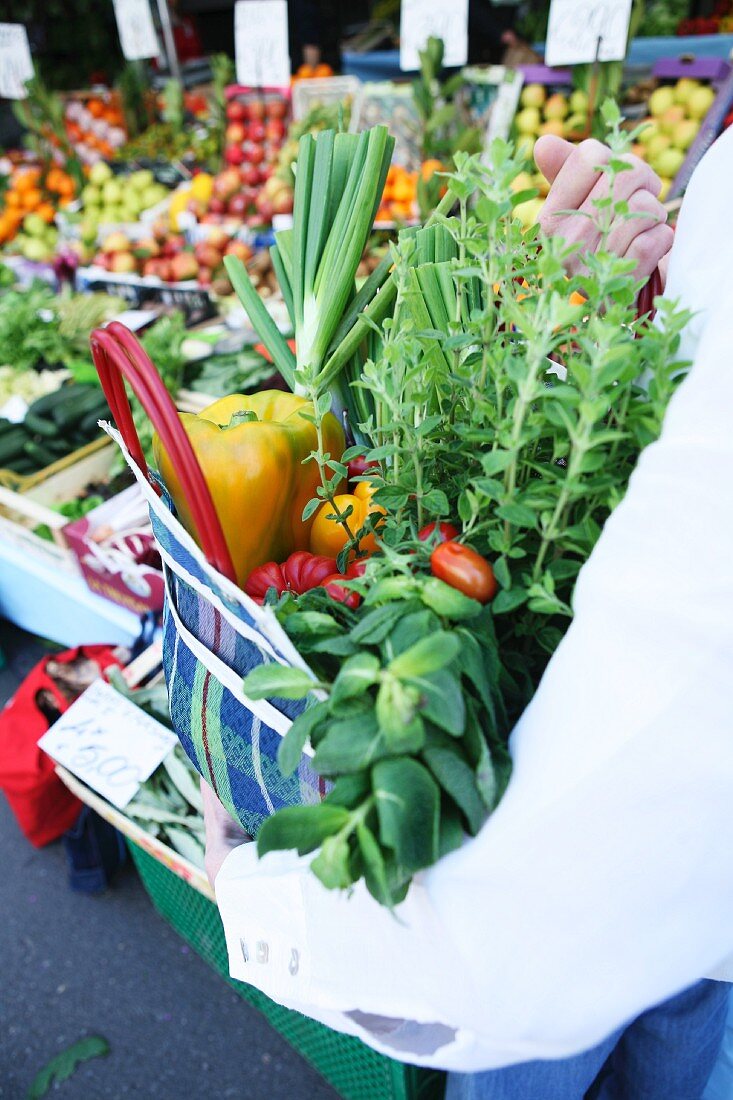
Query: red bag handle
[652,289]
[119,357]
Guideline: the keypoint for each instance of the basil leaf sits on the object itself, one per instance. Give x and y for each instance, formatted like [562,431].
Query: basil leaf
[428,655]
[408,808]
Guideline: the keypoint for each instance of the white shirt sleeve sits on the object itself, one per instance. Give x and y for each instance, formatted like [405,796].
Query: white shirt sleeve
[602,884]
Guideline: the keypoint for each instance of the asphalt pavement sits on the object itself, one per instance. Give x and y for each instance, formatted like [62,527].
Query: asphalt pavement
[73,965]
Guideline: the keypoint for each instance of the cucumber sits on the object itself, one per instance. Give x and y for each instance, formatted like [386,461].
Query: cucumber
[71,412]
[11,444]
[88,425]
[22,465]
[41,455]
[46,404]
[59,447]
[38,425]
[6,426]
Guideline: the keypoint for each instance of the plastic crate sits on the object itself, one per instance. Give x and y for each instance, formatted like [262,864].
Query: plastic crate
[354,1070]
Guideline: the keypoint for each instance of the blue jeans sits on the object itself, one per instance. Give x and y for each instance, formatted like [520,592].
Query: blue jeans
[668,1053]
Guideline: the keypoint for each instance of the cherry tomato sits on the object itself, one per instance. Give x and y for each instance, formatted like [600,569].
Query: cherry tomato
[446,532]
[464,569]
[338,592]
[359,466]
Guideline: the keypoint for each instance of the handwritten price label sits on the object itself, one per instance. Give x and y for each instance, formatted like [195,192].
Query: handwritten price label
[136,29]
[261,43]
[16,64]
[422,19]
[109,743]
[578,30]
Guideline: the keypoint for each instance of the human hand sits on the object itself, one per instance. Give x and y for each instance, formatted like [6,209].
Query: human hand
[223,834]
[576,183]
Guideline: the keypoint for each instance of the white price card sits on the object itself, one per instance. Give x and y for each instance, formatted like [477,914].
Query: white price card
[261,44]
[16,64]
[422,19]
[579,31]
[108,742]
[136,29]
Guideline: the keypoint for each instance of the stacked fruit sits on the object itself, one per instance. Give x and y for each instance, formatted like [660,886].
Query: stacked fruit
[95,126]
[399,201]
[166,256]
[115,200]
[676,114]
[36,195]
[556,113]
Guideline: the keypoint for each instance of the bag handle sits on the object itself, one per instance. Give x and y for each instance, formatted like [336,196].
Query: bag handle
[119,357]
[652,289]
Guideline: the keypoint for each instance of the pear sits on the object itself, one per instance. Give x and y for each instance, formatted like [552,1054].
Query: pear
[671,118]
[579,102]
[533,95]
[685,133]
[668,162]
[528,121]
[660,100]
[556,106]
[700,101]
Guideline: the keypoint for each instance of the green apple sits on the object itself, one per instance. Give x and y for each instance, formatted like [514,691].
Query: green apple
[671,118]
[34,225]
[660,100]
[91,195]
[99,173]
[525,146]
[684,88]
[658,145]
[651,128]
[668,162]
[579,102]
[533,95]
[700,101]
[37,251]
[141,179]
[112,193]
[685,133]
[556,107]
[528,121]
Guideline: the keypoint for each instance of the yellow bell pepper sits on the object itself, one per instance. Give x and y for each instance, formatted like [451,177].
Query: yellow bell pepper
[255,472]
[329,537]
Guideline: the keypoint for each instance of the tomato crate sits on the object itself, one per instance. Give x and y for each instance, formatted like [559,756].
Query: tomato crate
[351,1067]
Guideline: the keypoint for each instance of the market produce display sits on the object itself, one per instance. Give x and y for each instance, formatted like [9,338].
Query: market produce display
[110,199]
[55,424]
[676,112]
[36,193]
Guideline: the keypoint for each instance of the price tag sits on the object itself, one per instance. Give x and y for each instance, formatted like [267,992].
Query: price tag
[136,29]
[421,19]
[108,742]
[261,44]
[16,64]
[578,31]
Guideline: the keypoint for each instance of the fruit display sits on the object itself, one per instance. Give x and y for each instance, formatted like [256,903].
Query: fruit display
[234,197]
[33,191]
[95,125]
[676,112]
[167,257]
[399,202]
[108,199]
[546,112]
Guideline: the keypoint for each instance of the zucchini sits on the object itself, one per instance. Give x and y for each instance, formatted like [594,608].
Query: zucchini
[40,454]
[11,444]
[38,425]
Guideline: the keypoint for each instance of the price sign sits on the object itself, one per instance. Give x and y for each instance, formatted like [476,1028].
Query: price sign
[422,19]
[578,31]
[109,743]
[136,29]
[16,65]
[261,43]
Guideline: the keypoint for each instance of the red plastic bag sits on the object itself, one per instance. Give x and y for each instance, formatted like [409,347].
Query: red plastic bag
[44,808]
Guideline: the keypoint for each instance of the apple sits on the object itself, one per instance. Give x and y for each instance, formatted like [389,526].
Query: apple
[274,130]
[218,239]
[234,154]
[668,162]
[556,107]
[255,154]
[239,249]
[256,132]
[660,100]
[671,118]
[253,220]
[522,182]
[579,102]
[265,208]
[272,154]
[651,128]
[533,95]
[123,263]
[159,229]
[227,183]
[658,145]
[193,206]
[525,146]
[266,171]
[283,203]
[172,246]
[236,111]
[700,101]
[528,211]
[257,108]
[207,255]
[684,88]
[216,205]
[151,269]
[552,126]
[116,242]
[205,276]
[276,108]
[147,248]
[685,133]
[250,176]
[235,133]
[212,219]
[574,125]
[238,205]
[184,267]
[250,194]
[528,121]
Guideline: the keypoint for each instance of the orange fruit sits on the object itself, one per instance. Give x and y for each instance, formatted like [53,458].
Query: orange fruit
[323,70]
[12,198]
[66,186]
[26,180]
[32,199]
[46,211]
[429,168]
[95,108]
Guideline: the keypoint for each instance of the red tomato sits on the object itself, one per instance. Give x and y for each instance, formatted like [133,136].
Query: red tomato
[357,568]
[303,571]
[464,569]
[337,592]
[446,531]
[359,466]
[262,579]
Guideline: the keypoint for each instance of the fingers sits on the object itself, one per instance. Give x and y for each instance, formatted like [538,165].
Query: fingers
[625,230]
[649,248]
[550,153]
[574,182]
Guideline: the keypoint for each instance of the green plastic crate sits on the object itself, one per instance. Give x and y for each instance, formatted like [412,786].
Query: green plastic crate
[356,1071]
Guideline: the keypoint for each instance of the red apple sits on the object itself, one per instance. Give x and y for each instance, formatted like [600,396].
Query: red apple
[256,132]
[164,270]
[283,203]
[207,255]
[234,154]
[256,108]
[255,154]
[205,276]
[239,249]
[274,130]
[212,219]
[151,268]
[235,133]
[266,171]
[218,239]
[265,209]
[216,205]
[236,111]
[122,263]
[250,176]
[227,183]
[250,194]
[184,267]
[276,108]
[238,205]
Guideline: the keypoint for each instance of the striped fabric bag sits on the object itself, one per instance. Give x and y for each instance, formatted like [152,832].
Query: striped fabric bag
[213,633]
